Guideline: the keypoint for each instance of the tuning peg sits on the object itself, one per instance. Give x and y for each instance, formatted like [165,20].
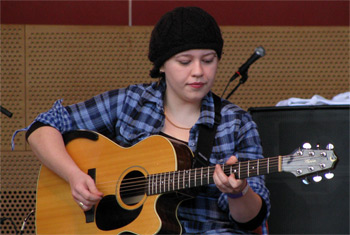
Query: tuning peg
[306,146]
[329,175]
[330,146]
[305,181]
[317,178]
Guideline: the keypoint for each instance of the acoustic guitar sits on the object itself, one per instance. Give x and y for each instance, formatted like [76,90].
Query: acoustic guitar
[143,185]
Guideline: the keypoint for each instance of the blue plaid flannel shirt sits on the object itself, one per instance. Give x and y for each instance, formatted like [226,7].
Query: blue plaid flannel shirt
[131,114]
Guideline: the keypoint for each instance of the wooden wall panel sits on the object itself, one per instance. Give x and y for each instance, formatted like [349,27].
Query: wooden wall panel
[43,63]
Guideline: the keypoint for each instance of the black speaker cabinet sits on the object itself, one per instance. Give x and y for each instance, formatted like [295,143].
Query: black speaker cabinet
[317,208]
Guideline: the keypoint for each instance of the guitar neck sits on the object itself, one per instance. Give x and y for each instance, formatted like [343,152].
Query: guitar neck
[185,179]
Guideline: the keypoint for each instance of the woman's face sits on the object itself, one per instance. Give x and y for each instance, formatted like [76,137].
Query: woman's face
[190,74]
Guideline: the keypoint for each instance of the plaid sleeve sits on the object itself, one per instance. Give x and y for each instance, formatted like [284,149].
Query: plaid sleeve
[57,117]
[249,148]
[98,113]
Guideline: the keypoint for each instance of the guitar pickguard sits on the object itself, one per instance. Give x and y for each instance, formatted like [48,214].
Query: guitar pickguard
[110,215]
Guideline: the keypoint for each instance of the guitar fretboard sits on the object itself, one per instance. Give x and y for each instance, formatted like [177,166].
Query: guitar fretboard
[184,179]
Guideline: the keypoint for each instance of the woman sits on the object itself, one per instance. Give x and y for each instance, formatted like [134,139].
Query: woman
[185,49]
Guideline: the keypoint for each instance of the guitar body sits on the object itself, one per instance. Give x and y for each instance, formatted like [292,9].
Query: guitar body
[112,167]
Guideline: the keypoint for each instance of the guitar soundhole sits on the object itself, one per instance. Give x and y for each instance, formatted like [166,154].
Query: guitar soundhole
[133,188]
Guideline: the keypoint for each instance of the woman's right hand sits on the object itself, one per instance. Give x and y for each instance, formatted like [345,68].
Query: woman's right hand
[84,190]
[47,144]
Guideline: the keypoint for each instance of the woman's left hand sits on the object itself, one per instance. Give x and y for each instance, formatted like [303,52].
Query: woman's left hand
[228,184]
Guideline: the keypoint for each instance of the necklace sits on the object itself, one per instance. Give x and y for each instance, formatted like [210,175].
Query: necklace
[179,127]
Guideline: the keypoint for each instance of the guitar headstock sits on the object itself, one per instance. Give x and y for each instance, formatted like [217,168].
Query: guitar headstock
[307,161]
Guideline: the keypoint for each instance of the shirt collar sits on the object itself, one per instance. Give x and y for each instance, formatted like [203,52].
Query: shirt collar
[207,116]
[154,94]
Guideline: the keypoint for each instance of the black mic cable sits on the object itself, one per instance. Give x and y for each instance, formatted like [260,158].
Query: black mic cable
[242,71]
[6,112]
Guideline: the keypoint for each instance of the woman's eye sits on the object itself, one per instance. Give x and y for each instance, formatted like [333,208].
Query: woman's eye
[208,61]
[184,62]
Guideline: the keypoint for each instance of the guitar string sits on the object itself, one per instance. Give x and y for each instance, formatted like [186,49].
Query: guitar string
[228,170]
[163,182]
[142,182]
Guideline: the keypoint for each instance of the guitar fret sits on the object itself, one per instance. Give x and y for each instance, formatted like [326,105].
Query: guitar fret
[165,182]
[268,165]
[174,180]
[201,175]
[239,170]
[156,184]
[248,170]
[160,183]
[149,186]
[258,173]
[208,176]
[153,184]
[184,179]
[189,179]
[195,177]
[168,181]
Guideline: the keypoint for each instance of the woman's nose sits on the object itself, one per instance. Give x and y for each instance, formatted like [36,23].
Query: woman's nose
[197,69]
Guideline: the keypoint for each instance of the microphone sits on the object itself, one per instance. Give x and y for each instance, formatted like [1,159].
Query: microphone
[242,71]
[258,53]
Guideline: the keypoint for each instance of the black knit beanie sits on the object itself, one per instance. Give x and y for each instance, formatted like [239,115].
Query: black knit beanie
[181,29]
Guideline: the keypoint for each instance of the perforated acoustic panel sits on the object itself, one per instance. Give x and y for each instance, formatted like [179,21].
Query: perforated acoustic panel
[75,63]
[12,84]
[299,62]
[40,64]
[19,173]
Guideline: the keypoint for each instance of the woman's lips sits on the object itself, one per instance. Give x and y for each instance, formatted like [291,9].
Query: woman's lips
[196,85]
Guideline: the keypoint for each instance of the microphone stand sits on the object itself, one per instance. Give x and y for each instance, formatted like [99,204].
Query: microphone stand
[241,81]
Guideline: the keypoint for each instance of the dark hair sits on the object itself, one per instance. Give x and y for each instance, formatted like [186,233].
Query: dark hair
[181,29]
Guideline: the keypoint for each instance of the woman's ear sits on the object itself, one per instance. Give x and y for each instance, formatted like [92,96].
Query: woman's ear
[161,69]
